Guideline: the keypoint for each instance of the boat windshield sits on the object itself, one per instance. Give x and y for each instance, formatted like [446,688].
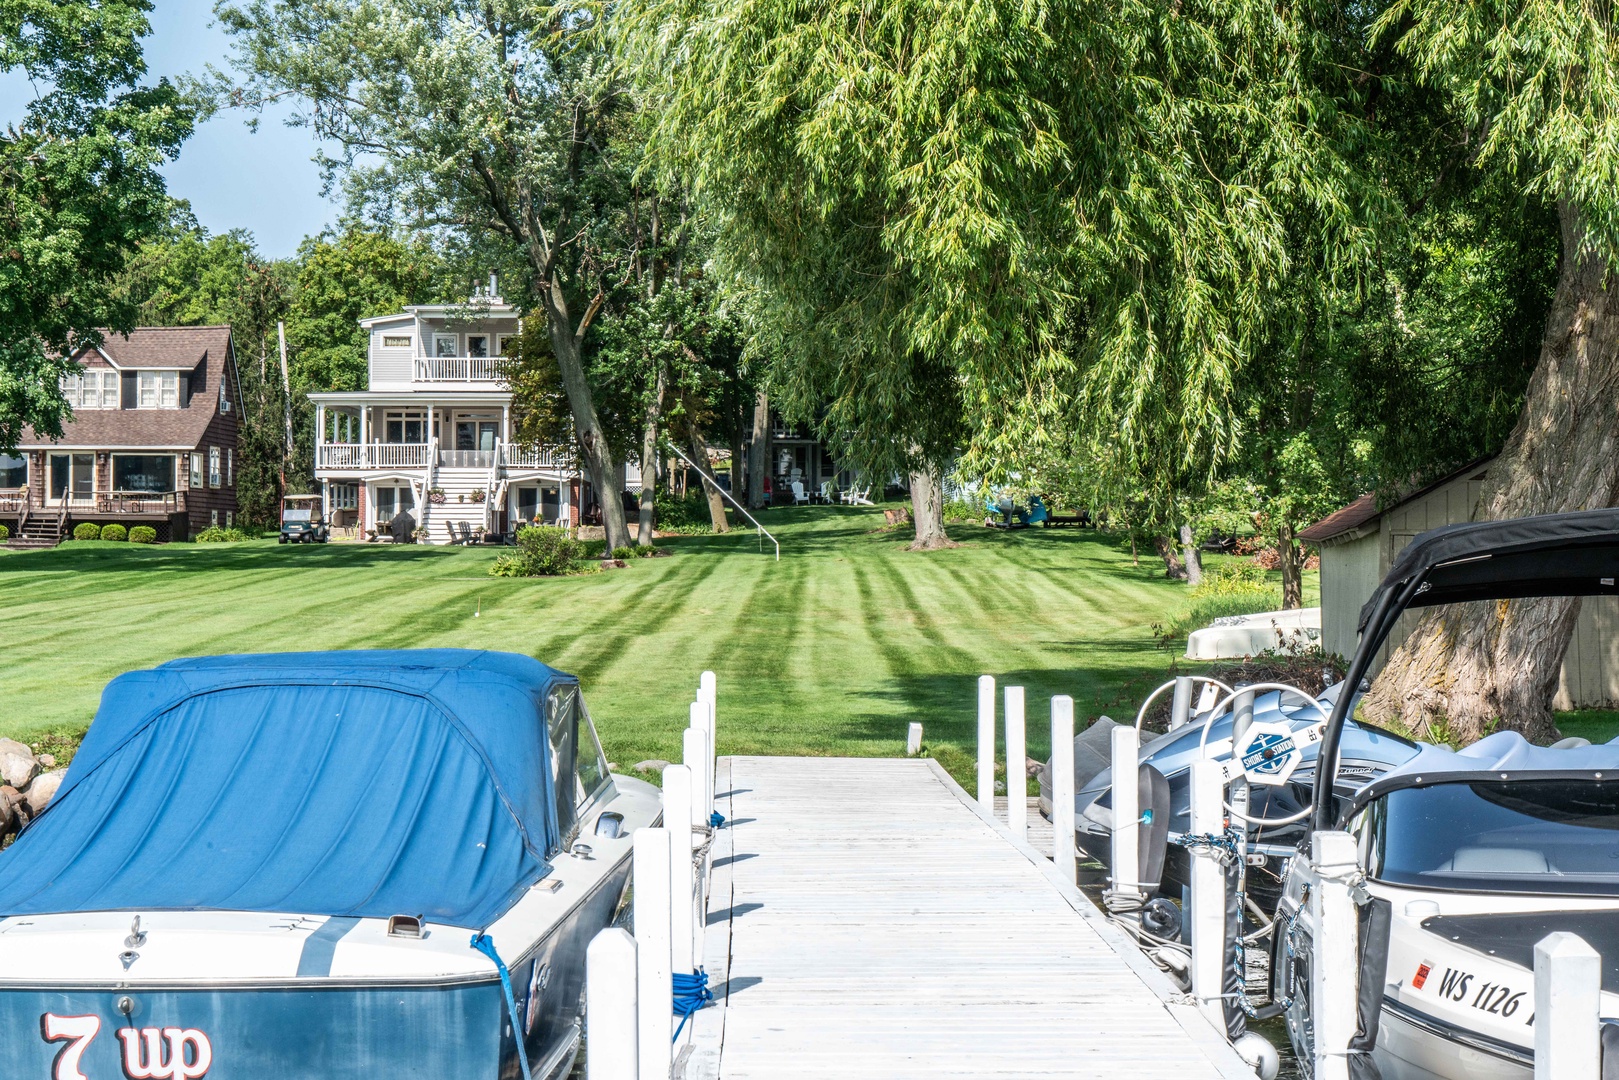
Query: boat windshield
[1520,836]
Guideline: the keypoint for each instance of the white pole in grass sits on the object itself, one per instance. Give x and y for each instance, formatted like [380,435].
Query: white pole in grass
[703,782]
[1017,776]
[678,799]
[1125,853]
[1062,787]
[655,987]
[610,1007]
[1568,1008]
[1208,891]
[1334,974]
[986,742]
[913,739]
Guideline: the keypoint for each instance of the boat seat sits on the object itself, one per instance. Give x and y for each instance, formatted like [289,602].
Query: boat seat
[1496,860]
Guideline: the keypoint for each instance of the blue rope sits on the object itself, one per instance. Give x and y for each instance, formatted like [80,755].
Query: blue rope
[483,944]
[691,994]
[716,819]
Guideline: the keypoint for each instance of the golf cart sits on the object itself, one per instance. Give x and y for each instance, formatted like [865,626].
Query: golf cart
[301,521]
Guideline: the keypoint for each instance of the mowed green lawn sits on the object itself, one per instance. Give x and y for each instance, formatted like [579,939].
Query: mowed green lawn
[832,650]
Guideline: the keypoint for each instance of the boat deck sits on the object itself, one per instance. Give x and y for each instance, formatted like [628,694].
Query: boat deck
[868,919]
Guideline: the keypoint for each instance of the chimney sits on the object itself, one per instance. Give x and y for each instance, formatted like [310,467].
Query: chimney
[494,296]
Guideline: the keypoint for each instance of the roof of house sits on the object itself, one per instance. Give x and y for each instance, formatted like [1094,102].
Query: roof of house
[1364,510]
[185,347]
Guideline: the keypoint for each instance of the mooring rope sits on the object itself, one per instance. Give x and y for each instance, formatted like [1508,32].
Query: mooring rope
[691,993]
[484,944]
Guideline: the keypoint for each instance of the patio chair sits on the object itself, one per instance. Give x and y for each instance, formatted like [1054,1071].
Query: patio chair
[826,491]
[800,497]
[859,496]
[465,532]
[449,527]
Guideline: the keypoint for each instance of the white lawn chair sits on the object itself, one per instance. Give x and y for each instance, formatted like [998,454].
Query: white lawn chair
[800,496]
[826,491]
[858,496]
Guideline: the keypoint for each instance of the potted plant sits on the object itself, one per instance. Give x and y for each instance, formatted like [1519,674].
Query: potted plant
[435,495]
[478,496]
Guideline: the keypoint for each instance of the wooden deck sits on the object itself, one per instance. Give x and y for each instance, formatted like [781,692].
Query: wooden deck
[867,919]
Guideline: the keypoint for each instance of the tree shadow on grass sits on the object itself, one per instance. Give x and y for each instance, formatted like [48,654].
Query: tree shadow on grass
[83,558]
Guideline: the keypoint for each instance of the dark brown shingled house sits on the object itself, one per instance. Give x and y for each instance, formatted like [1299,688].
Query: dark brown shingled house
[152,441]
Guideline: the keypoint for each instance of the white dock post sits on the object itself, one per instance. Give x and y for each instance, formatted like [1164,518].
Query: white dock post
[654,986]
[678,800]
[1017,775]
[708,689]
[694,753]
[610,1007]
[913,740]
[1208,893]
[1125,849]
[986,742]
[1568,1003]
[703,781]
[1334,974]
[1062,788]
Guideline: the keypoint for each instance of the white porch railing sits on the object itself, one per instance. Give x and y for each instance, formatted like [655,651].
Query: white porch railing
[457,369]
[372,455]
[517,457]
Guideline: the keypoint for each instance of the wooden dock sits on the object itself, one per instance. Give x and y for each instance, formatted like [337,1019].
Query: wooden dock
[868,919]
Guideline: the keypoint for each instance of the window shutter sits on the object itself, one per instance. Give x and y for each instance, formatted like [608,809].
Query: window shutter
[128,401]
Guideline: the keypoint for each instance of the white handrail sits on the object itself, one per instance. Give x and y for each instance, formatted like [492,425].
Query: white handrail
[727,496]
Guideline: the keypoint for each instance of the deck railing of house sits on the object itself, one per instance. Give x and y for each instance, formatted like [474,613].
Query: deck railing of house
[458,369]
[140,502]
[466,459]
[372,455]
[517,457]
[13,500]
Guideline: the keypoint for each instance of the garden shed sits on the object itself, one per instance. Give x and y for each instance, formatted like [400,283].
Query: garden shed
[1361,541]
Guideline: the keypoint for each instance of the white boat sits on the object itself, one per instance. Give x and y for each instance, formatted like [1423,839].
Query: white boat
[1467,858]
[336,865]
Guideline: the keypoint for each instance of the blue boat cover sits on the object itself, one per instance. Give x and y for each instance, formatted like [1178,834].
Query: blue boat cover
[346,783]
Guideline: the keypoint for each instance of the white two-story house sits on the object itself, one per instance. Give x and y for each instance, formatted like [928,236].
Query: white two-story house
[431,433]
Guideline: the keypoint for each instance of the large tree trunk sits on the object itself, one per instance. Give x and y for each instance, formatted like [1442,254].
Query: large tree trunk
[1191,556]
[1174,568]
[927,510]
[646,526]
[1468,667]
[699,455]
[759,451]
[1287,549]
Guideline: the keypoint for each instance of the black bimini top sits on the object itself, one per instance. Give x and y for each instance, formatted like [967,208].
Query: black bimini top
[1573,554]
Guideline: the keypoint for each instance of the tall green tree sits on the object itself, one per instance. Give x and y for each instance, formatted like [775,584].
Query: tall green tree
[1531,85]
[492,118]
[79,189]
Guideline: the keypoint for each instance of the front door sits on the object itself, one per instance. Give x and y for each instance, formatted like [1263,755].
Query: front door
[475,434]
[72,479]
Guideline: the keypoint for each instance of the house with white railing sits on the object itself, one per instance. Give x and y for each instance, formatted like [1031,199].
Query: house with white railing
[431,435]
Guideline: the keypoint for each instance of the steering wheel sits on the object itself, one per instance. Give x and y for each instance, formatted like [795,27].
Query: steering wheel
[1141,714]
[1225,703]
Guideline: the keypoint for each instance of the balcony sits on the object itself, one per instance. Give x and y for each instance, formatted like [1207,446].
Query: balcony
[516,457]
[372,455]
[139,503]
[457,369]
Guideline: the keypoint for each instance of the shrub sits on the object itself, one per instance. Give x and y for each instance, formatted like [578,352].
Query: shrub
[86,530]
[1232,578]
[143,534]
[542,551]
[215,535]
[114,531]
[648,551]
[676,515]
[964,511]
[1235,588]
[625,552]
[5,533]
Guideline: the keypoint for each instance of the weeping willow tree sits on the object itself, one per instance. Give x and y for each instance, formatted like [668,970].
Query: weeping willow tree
[1006,225]
[1534,85]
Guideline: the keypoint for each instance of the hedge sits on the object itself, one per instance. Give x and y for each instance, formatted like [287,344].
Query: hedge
[86,530]
[143,534]
[114,531]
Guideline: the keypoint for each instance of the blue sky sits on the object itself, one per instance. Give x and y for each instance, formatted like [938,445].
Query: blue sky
[234,178]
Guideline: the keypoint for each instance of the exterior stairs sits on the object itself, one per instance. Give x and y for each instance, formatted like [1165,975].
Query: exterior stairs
[41,529]
[458,510]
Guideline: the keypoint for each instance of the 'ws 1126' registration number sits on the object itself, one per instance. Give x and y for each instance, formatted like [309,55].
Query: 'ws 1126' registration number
[1462,986]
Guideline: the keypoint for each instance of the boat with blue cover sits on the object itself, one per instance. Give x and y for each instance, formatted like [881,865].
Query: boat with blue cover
[340,865]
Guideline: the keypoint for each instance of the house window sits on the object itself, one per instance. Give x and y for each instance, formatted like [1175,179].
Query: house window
[477,344]
[224,398]
[394,500]
[214,475]
[230,466]
[230,519]
[159,389]
[196,470]
[91,389]
[73,476]
[405,427]
[503,342]
[445,344]
[396,341]
[13,471]
[344,496]
[213,518]
[143,472]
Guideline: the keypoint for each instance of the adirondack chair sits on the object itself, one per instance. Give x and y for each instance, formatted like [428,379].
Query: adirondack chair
[800,496]
[449,527]
[826,491]
[858,496]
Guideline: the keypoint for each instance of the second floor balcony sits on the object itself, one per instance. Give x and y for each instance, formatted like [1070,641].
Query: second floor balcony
[457,369]
[333,455]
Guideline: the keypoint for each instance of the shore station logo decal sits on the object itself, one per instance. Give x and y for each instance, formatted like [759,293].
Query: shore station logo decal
[169,1053]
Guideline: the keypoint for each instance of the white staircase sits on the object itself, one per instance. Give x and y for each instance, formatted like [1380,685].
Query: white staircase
[457,509]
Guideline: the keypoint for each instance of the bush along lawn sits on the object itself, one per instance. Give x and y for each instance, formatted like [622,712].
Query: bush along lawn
[832,650]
